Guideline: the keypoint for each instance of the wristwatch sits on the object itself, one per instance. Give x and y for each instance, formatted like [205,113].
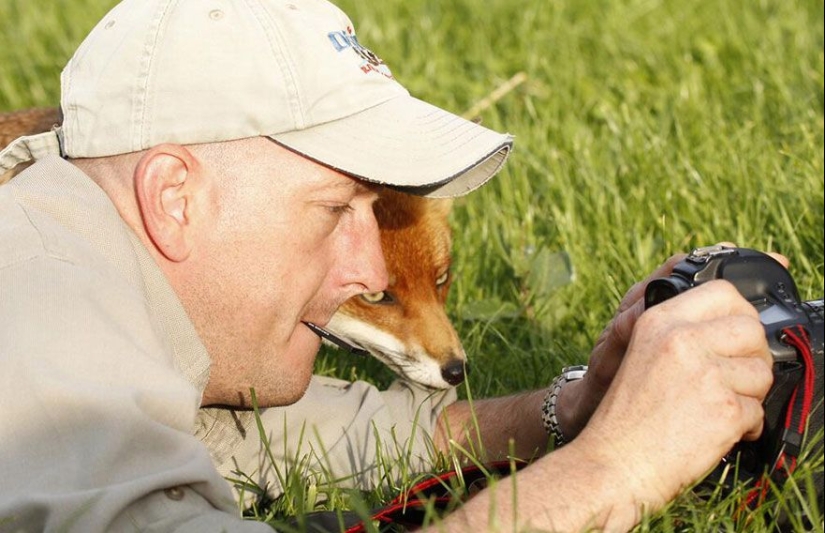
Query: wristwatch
[548,409]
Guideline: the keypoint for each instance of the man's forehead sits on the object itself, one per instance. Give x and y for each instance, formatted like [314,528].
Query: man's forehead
[330,178]
[348,184]
[342,187]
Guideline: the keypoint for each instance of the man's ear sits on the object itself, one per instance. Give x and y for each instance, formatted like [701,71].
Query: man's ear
[168,180]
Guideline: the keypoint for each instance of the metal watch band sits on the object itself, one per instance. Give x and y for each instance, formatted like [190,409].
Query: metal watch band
[548,409]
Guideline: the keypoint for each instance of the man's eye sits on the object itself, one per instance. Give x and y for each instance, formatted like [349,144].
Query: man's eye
[339,209]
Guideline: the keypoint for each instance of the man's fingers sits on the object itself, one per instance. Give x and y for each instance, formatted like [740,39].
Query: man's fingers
[740,335]
[625,320]
[781,258]
[748,376]
[743,366]
[753,416]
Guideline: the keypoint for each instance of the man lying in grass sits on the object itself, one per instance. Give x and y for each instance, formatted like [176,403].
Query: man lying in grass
[214,196]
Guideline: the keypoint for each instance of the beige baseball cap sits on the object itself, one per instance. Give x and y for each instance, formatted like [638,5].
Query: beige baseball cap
[197,71]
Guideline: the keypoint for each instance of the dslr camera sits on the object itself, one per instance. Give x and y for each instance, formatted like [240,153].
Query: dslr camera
[797,369]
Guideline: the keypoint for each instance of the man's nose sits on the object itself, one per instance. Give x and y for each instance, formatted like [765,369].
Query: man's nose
[367,269]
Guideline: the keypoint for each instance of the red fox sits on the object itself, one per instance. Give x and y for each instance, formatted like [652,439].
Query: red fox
[405,326]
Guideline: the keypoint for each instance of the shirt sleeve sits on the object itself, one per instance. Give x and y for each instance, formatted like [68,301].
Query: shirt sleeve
[96,422]
[347,432]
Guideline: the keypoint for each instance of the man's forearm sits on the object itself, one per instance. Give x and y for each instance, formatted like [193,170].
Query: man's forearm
[586,485]
[496,427]
[569,490]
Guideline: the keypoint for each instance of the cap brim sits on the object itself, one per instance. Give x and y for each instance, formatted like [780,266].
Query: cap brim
[406,143]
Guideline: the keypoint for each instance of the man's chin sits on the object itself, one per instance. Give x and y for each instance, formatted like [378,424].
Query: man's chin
[296,369]
[299,393]
[286,391]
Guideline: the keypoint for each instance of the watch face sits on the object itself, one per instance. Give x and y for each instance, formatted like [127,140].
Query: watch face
[572,373]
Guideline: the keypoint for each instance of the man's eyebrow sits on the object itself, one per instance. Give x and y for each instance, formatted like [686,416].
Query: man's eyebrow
[369,187]
[357,186]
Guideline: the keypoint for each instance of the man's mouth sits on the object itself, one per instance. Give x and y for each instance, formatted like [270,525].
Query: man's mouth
[336,340]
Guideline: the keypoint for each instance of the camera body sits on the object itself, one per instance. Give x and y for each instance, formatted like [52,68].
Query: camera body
[768,285]
[761,279]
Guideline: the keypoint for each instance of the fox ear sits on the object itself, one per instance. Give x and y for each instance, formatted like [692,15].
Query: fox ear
[441,206]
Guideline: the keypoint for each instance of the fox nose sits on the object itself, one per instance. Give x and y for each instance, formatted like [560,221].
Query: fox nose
[455,371]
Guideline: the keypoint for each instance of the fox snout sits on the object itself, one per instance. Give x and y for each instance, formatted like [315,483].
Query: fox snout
[430,356]
[454,371]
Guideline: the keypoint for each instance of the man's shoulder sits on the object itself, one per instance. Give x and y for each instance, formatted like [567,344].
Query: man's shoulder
[29,233]
[51,258]
[19,238]
[52,211]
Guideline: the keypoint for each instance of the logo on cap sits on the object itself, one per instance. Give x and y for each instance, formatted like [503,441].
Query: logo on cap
[343,40]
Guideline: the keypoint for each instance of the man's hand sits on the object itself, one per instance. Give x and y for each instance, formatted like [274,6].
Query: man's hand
[579,399]
[691,385]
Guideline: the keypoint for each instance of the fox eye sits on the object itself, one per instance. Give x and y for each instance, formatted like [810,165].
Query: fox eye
[380,297]
[442,279]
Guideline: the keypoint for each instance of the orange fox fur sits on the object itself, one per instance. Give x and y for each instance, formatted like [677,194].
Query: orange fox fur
[405,326]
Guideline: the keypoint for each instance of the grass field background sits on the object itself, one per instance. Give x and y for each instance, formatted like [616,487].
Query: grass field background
[643,128]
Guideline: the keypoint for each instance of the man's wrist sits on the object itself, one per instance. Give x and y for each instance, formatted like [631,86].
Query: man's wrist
[550,408]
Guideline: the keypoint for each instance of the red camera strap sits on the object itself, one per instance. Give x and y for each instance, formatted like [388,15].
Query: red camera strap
[439,493]
[796,418]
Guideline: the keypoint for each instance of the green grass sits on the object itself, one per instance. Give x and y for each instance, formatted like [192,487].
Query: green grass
[644,127]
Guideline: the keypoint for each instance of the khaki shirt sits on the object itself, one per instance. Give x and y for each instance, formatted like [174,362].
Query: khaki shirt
[101,378]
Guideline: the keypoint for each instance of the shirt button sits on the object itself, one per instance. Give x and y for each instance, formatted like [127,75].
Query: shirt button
[174,493]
